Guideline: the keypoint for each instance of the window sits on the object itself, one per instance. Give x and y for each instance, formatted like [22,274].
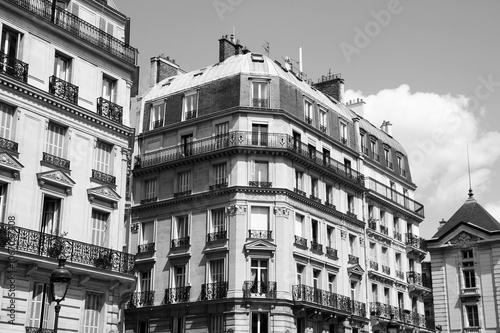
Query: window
[62,67]
[221,137]
[467,254]
[190,105]
[143,327]
[382,218]
[364,143]
[93,304]
[99,227]
[220,174]
[299,224]
[181,227]
[217,323]
[216,271]
[144,283]
[147,233]
[259,275]
[109,89]
[314,231]
[184,179]
[401,302]
[331,283]
[385,258]
[388,157]
[374,292]
[259,322]
[218,221]
[300,272]
[330,237]
[322,120]
[343,132]
[55,140]
[352,245]
[51,215]
[308,111]
[297,141]
[398,262]
[187,144]
[6,116]
[260,218]
[373,252]
[9,47]
[469,278]
[299,176]
[178,325]
[179,276]
[387,295]
[103,157]
[40,306]
[374,149]
[259,134]
[316,279]
[350,203]
[150,186]
[314,187]
[260,94]
[396,224]
[329,194]
[472,315]
[157,116]
[401,165]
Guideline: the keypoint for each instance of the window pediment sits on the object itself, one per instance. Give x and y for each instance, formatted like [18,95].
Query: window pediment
[356,272]
[55,178]
[104,193]
[259,246]
[10,164]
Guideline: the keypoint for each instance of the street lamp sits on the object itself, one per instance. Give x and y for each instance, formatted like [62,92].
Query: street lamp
[59,283]
[392,325]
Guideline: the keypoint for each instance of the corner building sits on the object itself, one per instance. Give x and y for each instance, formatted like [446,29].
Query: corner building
[66,77]
[250,201]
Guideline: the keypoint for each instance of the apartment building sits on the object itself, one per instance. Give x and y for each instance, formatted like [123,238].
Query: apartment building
[66,73]
[260,201]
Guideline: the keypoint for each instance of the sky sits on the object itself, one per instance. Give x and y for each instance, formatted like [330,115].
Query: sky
[429,67]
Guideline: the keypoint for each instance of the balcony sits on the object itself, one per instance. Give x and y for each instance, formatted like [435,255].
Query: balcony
[353,260]
[304,293]
[177,295]
[315,198]
[240,139]
[316,247]
[397,235]
[215,290]
[351,214]
[260,102]
[471,292]
[376,157]
[332,253]
[50,246]
[373,265]
[79,28]
[384,230]
[322,128]
[383,310]
[476,329]
[396,198]
[400,274]
[372,224]
[56,161]
[308,120]
[416,246]
[63,90]
[182,194]
[330,205]
[149,200]
[218,186]
[190,114]
[9,145]
[418,283]
[103,177]
[408,317]
[218,235]
[386,270]
[260,234]
[38,330]
[109,110]
[143,298]
[259,289]
[180,242]
[254,183]
[300,241]
[145,248]
[13,67]
[364,150]
[300,192]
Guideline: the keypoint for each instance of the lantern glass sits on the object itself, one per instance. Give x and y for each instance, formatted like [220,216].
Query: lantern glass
[60,289]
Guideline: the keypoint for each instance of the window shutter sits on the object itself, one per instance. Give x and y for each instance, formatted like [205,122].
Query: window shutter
[75,8]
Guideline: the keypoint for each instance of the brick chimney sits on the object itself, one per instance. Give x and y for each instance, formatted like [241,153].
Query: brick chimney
[356,105]
[386,127]
[161,68]
[331,85]
[228,47]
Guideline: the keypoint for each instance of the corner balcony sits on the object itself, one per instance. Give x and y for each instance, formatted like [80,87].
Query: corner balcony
[416,246]
[103,177]
[418,283]
[260,102]
[177,295]
[109,110]
[149,200]
[9,145]
[300,241]
[42,9]
[398,199]
[50,246]
[405,317]
[142,299]
[63,90]
[259,289]
[146,248]
[218,186]
[260,234]
[13,67]
[254,183]
[306,294]
[215,290]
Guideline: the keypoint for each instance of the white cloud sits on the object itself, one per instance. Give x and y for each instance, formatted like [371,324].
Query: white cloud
[435,131]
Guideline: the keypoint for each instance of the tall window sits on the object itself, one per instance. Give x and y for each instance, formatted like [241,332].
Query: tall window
[322,120]
[190,105]
[216,273]
[373,252]
[297,141]
[103,157]
[109,89]
[300,272]
[352,245]
[331,283]
[260,322]
[260,218]
[350,203]
[6,116]
[93,305]
[330,237]
[385,256]
[314,231]
[259,134]
[374,292]
[144,281]
[218,221]
[343,132]
[388,157]
[178,325]
[364,143]
[99,227]
[260,94]
[62,67]
[179,276]
[316,279]
[55,140]
[40,306]
[157,116]
[187,144]
[260,171]
[10,40]
[259,271]
[220,173]
[398,262]
[314,187]
[472,315]
[469,278]
[150,186]
[184,181]
[329,194]
[3,201]
[217,323]
[401,165]
[221,137]
[374,149]
[181,227]
[308,111]
[147,233]
[51,215]
[299,180]
[387,295]
[299,224]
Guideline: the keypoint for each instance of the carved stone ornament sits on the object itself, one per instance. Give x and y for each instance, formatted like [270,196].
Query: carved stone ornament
[464,240]
[362,241]
[343,234]
[134,227]
[281,211]
[236,209]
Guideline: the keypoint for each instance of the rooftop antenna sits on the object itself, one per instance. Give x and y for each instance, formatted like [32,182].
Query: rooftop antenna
[266,47]
[471,194]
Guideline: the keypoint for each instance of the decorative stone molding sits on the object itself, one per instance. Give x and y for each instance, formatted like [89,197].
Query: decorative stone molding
[343,234]
[281,211]
[464,240]
[236,209]
[361,241]
[134,227]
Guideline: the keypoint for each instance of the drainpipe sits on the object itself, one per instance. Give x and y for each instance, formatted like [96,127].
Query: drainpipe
[53,12]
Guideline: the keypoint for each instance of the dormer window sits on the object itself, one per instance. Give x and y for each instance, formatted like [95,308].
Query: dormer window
[157,116]
[260,94]
[256,57]
[322,120]
[401,165]
[343,133]
[374,149]
[388,157]
[190,106]
[308,111]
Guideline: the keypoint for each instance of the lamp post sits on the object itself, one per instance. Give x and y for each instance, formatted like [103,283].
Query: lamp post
[59,283]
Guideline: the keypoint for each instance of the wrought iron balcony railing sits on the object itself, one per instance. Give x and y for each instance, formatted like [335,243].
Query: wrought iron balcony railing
[218,186]
[178,242]
[63,89]
[469,291]
[372,224]
[51,246]
[177,295]
[80,28]
[304,293]
[157,124]
[56,161]
[13,67]
[103,177]
[397,198]
[144,248]
[308,120]
[143,298]
[332,253]
[214,290]
[182,194]
[38,330]
[401,315]
[376,157]
[416,242]
[353,260]
[351,214]
[217,235]
[149,200]
[330,205]
[400,274]
[9,145]
[109,110]
[418,279]
[386,270]
[359,309]
[260,102]
[260,234]
[300,241]
[322,128]
[316,247]
[190,114]
[364,150]
[296,190]
[255,183]
[384,230]
[374,265]
[259,288]
[397,235]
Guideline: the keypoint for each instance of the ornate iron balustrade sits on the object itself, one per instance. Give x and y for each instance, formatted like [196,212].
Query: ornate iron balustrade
[13,67]
[304,293]
[182,194]
[214,290]
[177,295]
[322,128]
[103,177]
[400,274]
[38,330]
[351,214]
[343,140]
[315,198]
[149,200]
[110,110]
[374,265]
[398,198]
[260,234]
[296,190]
[359,309]
[300,241]
[80,28]
[157,124]
[380,309]
[255,183]
[353,260]
[397,235]
[9,145]
[180,242]
[248,139]
[416,242]
[218,235]
[308,120]
[372,225]
[316,247]
[260,102]
[259,288]
[143,248]
[190,114]
[51,246]
[386,270]
[403,173]
[63,89]
[384,230]
[143,298]
[332,253]
[418,279]
[56,161]
[218,186]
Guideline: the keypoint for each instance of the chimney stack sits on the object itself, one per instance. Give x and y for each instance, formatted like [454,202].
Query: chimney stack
[228,47]
[331,85]
[441,223]
[357,105]
[161,68]
[386,127]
